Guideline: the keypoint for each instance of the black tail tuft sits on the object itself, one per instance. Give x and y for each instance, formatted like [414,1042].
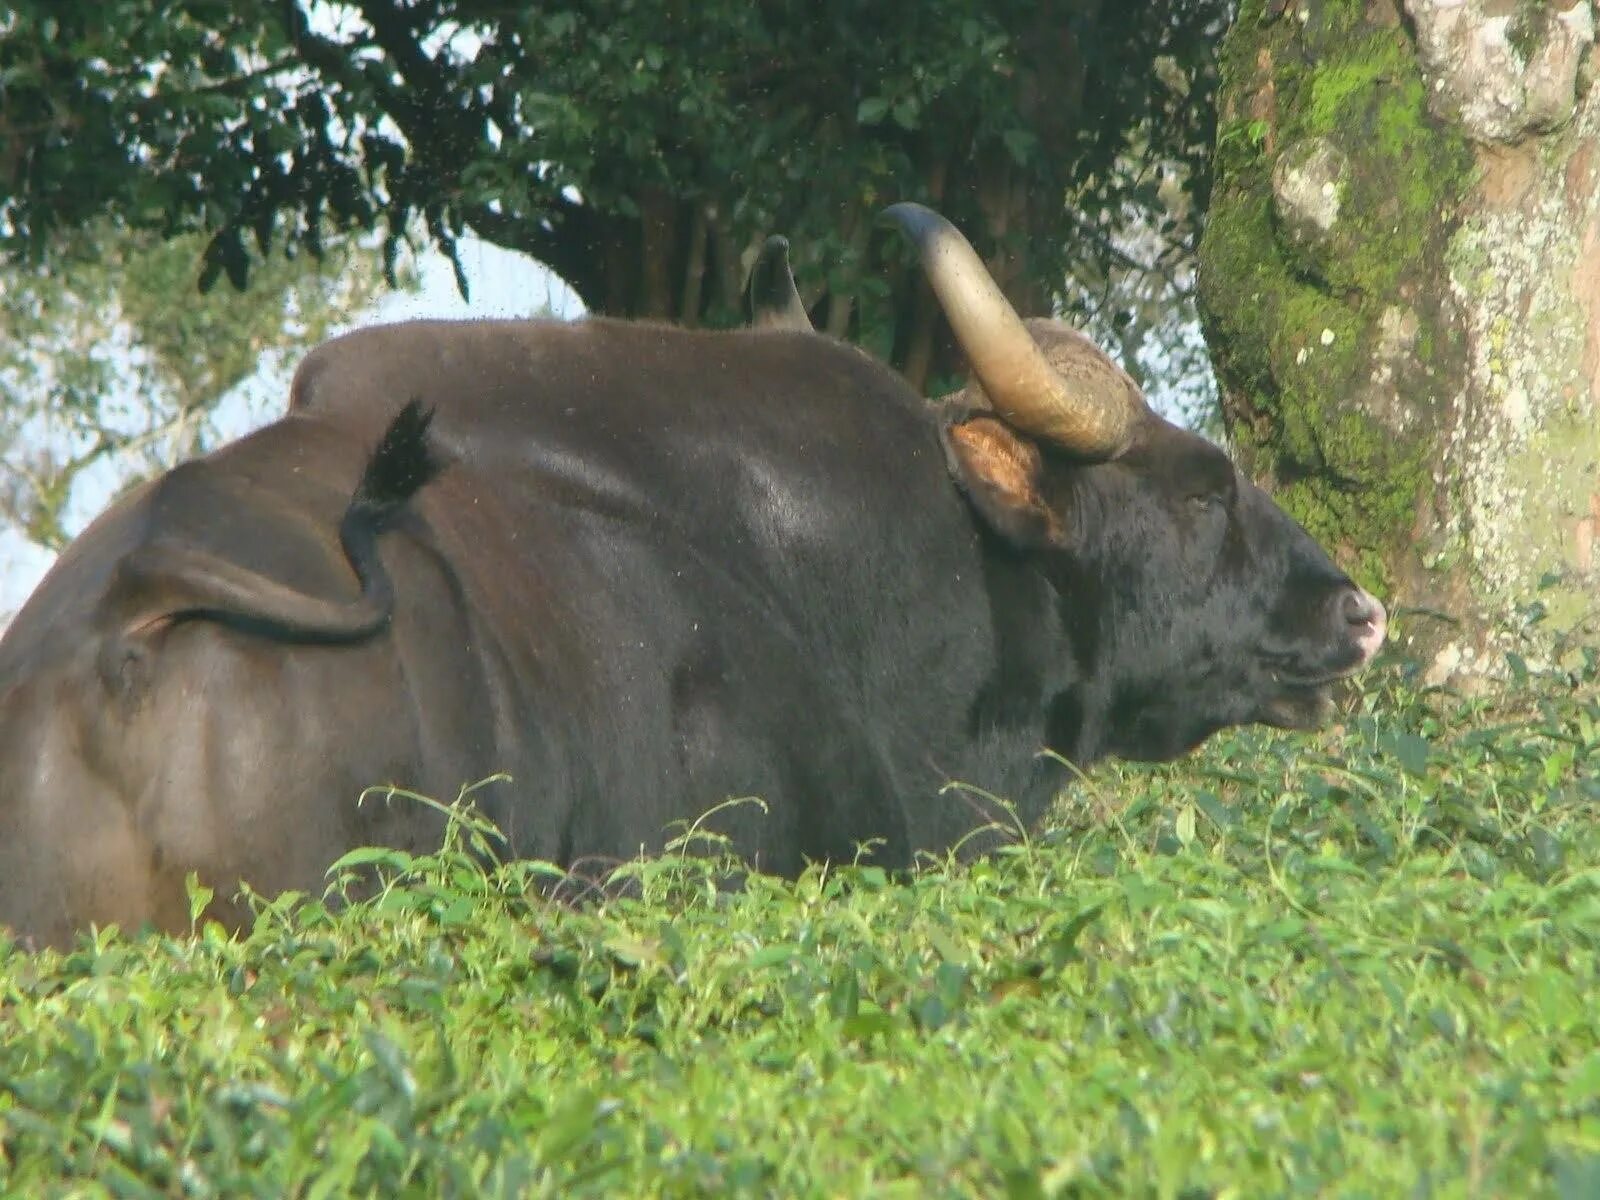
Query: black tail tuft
[404,461]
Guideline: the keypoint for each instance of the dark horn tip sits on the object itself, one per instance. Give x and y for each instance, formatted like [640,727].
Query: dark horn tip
[776,244]
[916,219]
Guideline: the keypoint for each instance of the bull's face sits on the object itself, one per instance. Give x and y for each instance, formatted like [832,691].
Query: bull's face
[1199,601]
[1190,601]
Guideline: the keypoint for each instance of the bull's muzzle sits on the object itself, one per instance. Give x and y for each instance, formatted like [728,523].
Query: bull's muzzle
[1362,619]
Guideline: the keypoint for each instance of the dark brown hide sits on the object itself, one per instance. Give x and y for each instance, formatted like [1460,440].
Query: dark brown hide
[140,741]
[663,568]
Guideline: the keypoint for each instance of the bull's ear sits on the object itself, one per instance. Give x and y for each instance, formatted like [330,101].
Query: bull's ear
[1000,471]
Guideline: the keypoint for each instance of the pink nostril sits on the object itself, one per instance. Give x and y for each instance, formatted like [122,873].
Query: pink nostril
[1359,608]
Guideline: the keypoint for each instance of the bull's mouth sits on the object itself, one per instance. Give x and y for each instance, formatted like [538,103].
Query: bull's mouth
[1300,694]
[1303,677]
[1295,669]
[1302,697]
[1298,705]
[1311,680]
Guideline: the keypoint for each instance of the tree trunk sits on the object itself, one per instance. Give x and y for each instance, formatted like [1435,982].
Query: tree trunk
[1400,282]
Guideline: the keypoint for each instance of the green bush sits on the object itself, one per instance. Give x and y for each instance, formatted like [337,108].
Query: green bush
[1359,964]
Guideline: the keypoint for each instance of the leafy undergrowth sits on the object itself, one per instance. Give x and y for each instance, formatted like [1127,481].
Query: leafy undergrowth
[1358,964]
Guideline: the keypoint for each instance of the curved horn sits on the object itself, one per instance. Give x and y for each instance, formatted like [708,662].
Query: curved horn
[774,300]
[1092,417]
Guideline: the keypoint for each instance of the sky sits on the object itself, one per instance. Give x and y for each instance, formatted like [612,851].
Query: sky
[501,283]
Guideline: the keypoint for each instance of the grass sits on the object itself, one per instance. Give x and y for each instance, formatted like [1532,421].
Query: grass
[1362,964]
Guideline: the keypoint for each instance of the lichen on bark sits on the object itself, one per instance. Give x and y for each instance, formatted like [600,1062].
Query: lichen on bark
[1400,281]
[1526,455]
[1502,71]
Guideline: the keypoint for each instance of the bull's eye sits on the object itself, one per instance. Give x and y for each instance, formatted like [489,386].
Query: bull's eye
[1206,500]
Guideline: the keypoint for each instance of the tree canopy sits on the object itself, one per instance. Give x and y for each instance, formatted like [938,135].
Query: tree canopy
[112,367]
[642,148]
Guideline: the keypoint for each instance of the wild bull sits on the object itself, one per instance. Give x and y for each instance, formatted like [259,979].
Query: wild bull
[659,568]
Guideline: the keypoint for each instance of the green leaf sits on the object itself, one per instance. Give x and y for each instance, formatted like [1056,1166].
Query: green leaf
[1064,941]
[568,1128]
[1412,750]
[371,856]
[930,1011]
[1577,1175]
[459,911]
[771,956]
[868,1023]
[844,997]
[1020,144]
[1583,1084]
[1557,765]
[199,897]
[1219,813]
[872,110]
[1545,849]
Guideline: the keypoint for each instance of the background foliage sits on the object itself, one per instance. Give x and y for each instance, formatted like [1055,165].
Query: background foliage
[1359,965]
[642,148]
[112,364]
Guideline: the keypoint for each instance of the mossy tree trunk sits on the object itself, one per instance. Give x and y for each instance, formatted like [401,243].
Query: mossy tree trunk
[1400,283]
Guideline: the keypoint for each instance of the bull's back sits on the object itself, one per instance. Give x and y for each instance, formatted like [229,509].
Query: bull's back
[652,396]
[792,462]
[667,529]
[793,454]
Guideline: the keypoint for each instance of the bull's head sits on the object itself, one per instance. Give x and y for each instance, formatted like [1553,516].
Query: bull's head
[1191,600]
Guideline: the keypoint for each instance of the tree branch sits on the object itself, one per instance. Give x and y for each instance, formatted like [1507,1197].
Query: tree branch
[569,246]
[567,237]
[694,270]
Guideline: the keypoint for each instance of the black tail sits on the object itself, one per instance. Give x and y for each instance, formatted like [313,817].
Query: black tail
[403,461]
[401,465]
[167,581]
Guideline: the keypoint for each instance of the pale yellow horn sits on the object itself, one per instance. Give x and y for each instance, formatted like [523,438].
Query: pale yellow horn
[1093,418]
